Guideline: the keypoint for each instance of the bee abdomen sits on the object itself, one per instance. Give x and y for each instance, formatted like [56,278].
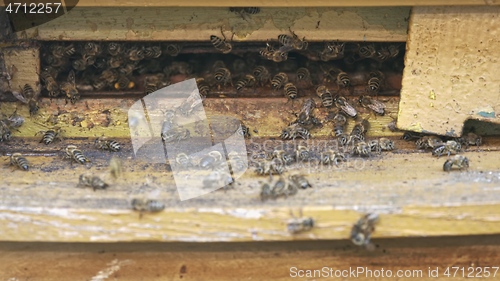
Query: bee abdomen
[49,137]
[290,91]
[220,44]
[279,80]
[18,160]
[113,145]
[155,206]
[343,79]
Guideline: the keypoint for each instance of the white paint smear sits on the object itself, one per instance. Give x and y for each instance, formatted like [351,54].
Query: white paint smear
[113,267]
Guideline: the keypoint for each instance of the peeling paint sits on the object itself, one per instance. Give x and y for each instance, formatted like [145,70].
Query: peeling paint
[486,114]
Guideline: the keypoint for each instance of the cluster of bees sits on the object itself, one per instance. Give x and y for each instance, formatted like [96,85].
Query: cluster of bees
[446,146]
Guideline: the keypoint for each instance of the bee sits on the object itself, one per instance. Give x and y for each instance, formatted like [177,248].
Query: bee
[76,155]
[266,192]
[91,49]
[361,231]
[193,102]
[373,104]
[17,159]
[50,135]
[374,83]
[450,147]
[247,81]
[5,133]
[147,205]
[115,167]
[385,53]
[123,82]
[269,53]
[284,187]
[470,139]
[211,159]
[261,74]
[303,74]
[411,136]
[298,225]
[343,80]
[293,131]
[203,87]
[367,51]
[126,70]
[216,179]
[152,52]
[60,51]
[359,130]
[115,49]
[290,91]
[362,149]
[183,160]
[109,76]
[221,44]
[332,157]
[283,156]
[222,77]
[325,95]
[50,83]
[82,63]
[173,49]
[238,163]
[342,103]
[332,51]
[29,97]
[279,80]
[301,181]
[136,54]
[244,12]
[69,88]
[429,142]
[302,153]
[292,42]
[339,123]
[104,143]
[382,144]
[243,131]
[268,167]
[92,181]
[14,121]
[458,160]
[115,62]
[175,134]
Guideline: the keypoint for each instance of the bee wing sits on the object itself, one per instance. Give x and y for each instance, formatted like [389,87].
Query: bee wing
[20,96]
[347,108]
[377,106]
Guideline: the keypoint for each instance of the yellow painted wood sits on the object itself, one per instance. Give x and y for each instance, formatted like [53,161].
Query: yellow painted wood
[452,78]
[385,24]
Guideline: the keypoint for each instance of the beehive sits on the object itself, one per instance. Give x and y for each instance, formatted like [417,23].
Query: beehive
[46,205]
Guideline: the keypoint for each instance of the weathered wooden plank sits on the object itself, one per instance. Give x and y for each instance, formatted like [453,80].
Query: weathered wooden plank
[448,77]
[27,65]
[384,24]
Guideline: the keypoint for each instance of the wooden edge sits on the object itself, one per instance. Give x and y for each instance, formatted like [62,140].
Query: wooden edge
[235,224]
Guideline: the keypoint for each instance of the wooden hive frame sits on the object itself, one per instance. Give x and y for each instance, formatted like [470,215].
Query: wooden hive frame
[425,202]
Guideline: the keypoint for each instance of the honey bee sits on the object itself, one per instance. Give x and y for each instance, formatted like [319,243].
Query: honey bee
[269,53]
[29,97]
[136,54]
[152,52]
[203,87]
[247,81]
[221,44]
[147,205]
[382,144]
[290,91]
[126,70]
[470,139]
[359,130]
[332,51]
[458,160]
[75,154]
[243,131]
[217,179]
[92,181]
[104,143]
[325,95]
[373,104]
[91,49]
[343,80]
[173,49]
[222,77]
[238,163]
[342,103]
[429,142]
[284,187]
[279,80]
[301,181]
[183,160]
[385,53]
[297,225]
[175,134]
[50,135]
[68,87]
[292,42]
[115,49]
[210,160]
[302,153]
[50,83]
[261,74]
[339,123]
[123,83]
[303,74]
[449,147]
[60,51]
[5,133]
[411,136]
[17,160]
[14,121]
[244,12]
[362,149]
[374,83]
[115,167]
[192,103]
[266,192]
[361,231]
[332,157]
[268,167]
[286,158]
[367,51]
[293,131]
[109,76]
